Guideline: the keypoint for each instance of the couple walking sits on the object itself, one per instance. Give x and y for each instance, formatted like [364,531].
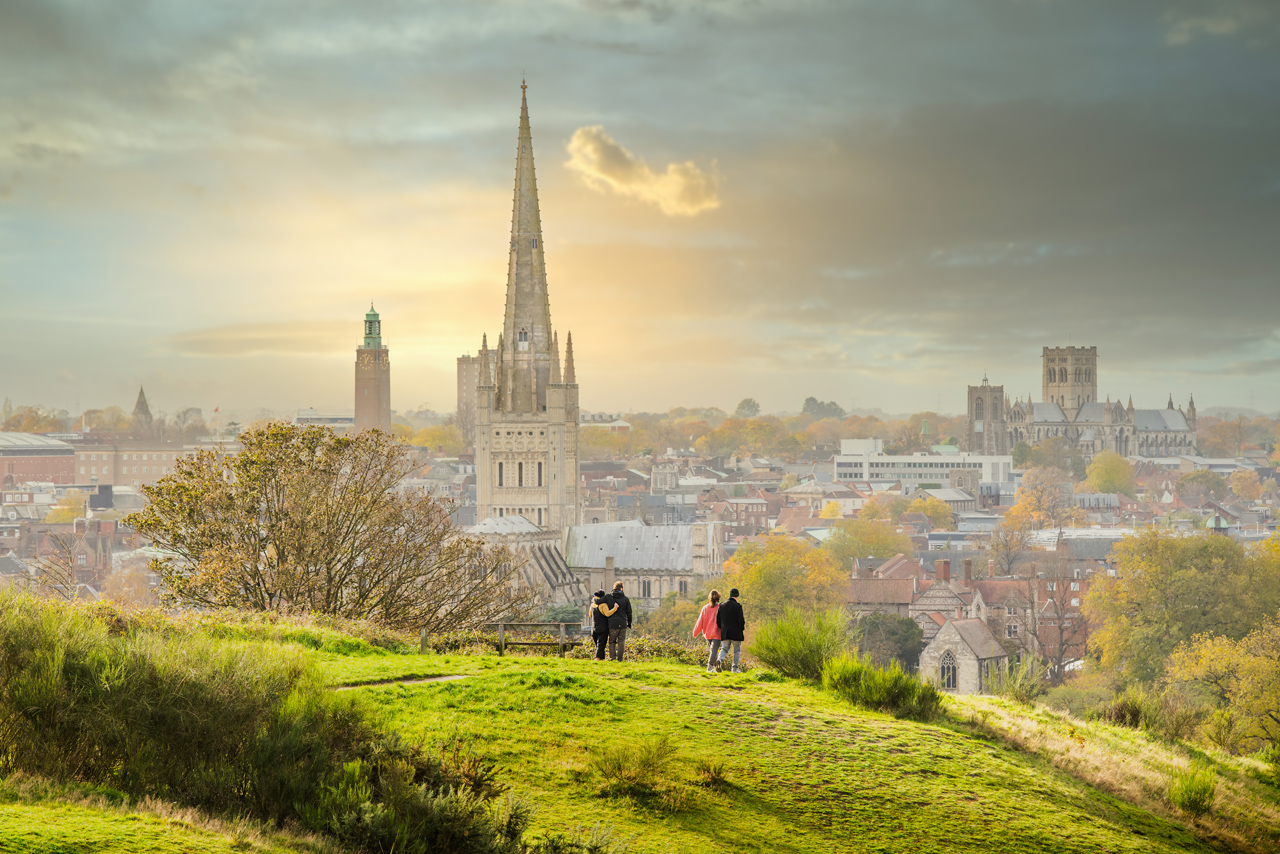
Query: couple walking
[611,613]
[722,625]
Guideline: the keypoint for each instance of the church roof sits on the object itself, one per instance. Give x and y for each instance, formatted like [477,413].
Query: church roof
[979,639]
[1047,413]
[1093,412]
[668,547]
[1160,421]
[504,525]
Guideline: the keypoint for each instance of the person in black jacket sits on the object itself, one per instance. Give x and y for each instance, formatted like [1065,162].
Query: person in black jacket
[619,642]
[731,623]
[602,610]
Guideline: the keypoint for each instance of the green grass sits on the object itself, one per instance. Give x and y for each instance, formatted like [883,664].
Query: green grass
[795,769]
[804,772]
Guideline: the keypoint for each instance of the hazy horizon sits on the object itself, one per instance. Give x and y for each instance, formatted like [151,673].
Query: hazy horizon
[861,202]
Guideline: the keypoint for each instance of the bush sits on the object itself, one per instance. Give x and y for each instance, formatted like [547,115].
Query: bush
[1019,682]
[711,772]
[638,768]
[1192,792]
[1080,694]
[887,689]
[1167,714]
[650,648]
[798,645]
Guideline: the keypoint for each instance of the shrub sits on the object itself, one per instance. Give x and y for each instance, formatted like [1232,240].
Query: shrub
[1019,682]
[887,689]
[1080,694]
[1271,756]
[650,648]
[638,767]
[798,644]
[711,772]
[1192,792]
[1168,714]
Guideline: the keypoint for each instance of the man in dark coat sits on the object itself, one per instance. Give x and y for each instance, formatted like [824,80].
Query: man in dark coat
[624,608]
[617,625]
[731,623]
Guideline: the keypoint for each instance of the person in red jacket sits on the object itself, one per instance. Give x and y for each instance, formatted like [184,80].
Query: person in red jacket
[706,626]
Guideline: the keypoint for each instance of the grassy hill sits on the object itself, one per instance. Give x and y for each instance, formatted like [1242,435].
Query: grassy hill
[753,762]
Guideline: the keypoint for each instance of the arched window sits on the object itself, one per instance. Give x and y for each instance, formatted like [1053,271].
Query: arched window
[539,517]
[977,409]
[500,474]
[524,335]
[1062,375]
[539,474]
[1088,375]
[519,474]
[947,671]
[1077,374]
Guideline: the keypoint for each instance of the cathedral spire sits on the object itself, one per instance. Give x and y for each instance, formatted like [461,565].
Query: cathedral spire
[569,376]
[555,357]
[526,325]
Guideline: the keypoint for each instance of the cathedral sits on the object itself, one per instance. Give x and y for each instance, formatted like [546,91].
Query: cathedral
[526,410]
[1070,408]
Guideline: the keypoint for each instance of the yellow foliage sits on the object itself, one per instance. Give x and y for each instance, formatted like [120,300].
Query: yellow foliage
[784,573]
[71,508]
[832,510]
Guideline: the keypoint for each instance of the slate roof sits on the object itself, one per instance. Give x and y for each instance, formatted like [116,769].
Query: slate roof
[1042,413]
[1159,420]
[29,443]
[665,547]
[979,639]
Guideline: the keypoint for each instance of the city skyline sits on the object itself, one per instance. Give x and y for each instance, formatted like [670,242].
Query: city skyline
[851,202]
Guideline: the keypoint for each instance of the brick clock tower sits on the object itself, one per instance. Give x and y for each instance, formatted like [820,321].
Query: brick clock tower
[373,378]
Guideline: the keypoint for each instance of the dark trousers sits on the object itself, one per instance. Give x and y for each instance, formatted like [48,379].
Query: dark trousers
[617,643]
[600,638]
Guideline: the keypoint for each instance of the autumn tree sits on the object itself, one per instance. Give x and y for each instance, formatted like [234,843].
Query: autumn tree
[1057,452]
[1060,630]
[34,419]
[884,508]
[1044,500]
[1199,484]
[674,618]
[1169,588]
[860,538]
[303,520]
[448,439]
[1108,472]
[747,408]
[1246,485]
[56,567]
[785,573]
[940,514]
[832,510]
[1244,674]
[69,509]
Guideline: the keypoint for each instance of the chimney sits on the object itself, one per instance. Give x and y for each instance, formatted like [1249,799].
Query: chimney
[991,569]
[959,612]
[944,571]
[968,572]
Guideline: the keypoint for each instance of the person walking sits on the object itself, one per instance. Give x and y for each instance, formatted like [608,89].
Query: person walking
[706,626]
[624,605]
[732,623]
[601,610]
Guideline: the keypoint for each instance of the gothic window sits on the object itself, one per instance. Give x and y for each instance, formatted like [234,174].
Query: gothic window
[1077,374]
[535,243]
[539,517]
[539,474]
[499,474]
[948,671]
[524,335]
[684,588]
[1062,375]
[1088,375]
[519,474]
[500,513]
[977,409]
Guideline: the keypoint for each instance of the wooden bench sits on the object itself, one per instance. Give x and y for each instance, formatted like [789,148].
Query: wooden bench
[565,643]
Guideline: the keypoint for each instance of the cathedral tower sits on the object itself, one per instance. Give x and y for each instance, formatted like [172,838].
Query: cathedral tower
[526,410]
[373,378]
[987,431]
[1070,377]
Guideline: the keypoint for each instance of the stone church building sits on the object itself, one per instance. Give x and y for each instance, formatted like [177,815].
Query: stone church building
[1070,408]
[526,430]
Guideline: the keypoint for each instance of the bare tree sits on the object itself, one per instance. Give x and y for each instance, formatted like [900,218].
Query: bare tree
[1009,544]
[1058,627]
[56,568]
[304,520]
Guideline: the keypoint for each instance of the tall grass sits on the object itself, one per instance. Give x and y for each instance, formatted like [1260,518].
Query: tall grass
[1193,791]
[886,689]
[1166,713]
[1019,682]
[798,644]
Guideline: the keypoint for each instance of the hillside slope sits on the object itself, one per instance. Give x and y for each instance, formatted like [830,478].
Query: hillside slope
[805,772]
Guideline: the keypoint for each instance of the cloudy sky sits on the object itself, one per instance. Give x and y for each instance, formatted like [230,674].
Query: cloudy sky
[871,201]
